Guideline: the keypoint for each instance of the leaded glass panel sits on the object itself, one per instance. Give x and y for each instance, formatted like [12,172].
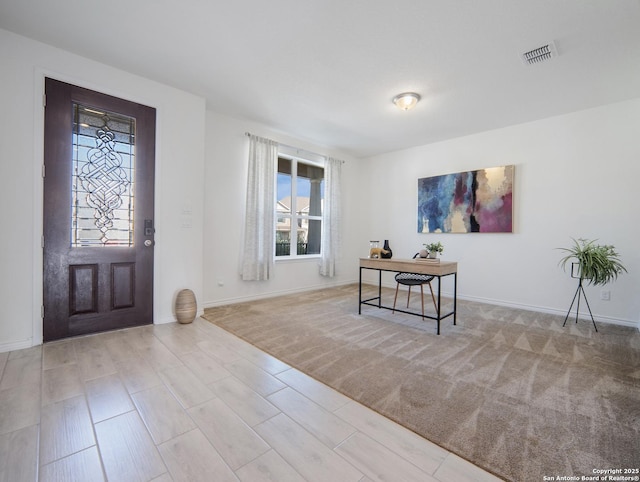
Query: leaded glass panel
[102,178]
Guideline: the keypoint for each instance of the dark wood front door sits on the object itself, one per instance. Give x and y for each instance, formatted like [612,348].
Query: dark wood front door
[99,156]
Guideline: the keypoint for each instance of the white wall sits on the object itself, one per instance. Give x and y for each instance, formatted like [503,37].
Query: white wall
[226,179]
[179,179]
[576,176]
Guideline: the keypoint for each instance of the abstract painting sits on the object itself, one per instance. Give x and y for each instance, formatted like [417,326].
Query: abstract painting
[467,202]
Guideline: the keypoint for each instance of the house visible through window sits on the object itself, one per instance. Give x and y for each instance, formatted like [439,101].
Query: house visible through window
[300,195]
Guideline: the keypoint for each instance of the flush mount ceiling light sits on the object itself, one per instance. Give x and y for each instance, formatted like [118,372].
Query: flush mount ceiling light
[406,101]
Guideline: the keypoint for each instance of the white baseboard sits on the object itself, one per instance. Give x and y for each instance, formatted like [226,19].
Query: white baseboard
[16,345]
[273,294]
[553,311]
[541,309]
[164,321]
[172,319]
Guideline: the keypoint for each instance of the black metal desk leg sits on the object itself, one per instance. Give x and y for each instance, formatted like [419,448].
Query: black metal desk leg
[455,297]
[439,299]
[360,293]
[379,288]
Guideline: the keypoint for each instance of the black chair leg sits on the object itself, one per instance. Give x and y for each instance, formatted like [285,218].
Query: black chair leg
[396,298]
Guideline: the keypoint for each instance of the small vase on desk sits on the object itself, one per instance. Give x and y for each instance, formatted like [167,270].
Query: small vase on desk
[386,248]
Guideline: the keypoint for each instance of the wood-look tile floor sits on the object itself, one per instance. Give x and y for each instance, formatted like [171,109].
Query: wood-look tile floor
[189,403]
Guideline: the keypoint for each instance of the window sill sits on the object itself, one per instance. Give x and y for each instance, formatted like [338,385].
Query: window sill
[297,259]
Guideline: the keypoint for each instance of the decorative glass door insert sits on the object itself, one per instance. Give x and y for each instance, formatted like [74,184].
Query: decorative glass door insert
[102,178]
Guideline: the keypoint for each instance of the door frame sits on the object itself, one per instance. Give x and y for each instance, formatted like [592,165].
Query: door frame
[40,74]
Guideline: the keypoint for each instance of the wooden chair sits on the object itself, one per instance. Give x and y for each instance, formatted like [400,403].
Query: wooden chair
[412,279]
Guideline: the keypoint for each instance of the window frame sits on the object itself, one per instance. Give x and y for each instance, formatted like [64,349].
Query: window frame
[296,218]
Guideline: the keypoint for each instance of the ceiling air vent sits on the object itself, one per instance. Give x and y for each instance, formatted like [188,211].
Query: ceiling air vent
[540,54]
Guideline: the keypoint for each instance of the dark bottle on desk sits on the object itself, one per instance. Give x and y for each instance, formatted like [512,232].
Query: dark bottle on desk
[386,248]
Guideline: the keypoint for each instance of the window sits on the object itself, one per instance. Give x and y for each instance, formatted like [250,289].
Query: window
[299,203]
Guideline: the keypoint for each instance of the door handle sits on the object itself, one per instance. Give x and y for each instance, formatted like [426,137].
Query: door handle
[148,227]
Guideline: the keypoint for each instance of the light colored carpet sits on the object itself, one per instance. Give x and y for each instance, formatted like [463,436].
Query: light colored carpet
[511,391]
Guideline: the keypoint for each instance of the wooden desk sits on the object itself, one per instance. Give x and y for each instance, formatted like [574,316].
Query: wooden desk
[437,270]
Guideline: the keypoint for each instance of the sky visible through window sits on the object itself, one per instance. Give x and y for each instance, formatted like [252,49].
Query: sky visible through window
[304,187]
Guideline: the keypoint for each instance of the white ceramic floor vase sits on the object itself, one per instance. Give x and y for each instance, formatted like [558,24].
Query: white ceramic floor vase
[186,306]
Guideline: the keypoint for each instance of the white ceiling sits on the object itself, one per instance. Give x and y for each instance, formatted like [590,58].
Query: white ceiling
[325,71]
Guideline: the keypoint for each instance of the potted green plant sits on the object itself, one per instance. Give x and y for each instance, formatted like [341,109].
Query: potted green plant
[598,264]
[434,249]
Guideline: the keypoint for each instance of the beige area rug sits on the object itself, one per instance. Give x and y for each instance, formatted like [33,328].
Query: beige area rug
[511,391]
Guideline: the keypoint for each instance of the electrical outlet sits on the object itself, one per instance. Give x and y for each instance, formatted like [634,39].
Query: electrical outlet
[605,295]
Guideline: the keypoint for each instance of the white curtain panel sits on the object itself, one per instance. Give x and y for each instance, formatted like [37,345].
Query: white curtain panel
[259,235]
[331,217]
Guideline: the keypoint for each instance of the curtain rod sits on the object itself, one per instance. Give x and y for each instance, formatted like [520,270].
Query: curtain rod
[299,150]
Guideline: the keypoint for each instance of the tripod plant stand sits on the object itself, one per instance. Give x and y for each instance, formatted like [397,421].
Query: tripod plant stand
[599,264]
[579,292]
